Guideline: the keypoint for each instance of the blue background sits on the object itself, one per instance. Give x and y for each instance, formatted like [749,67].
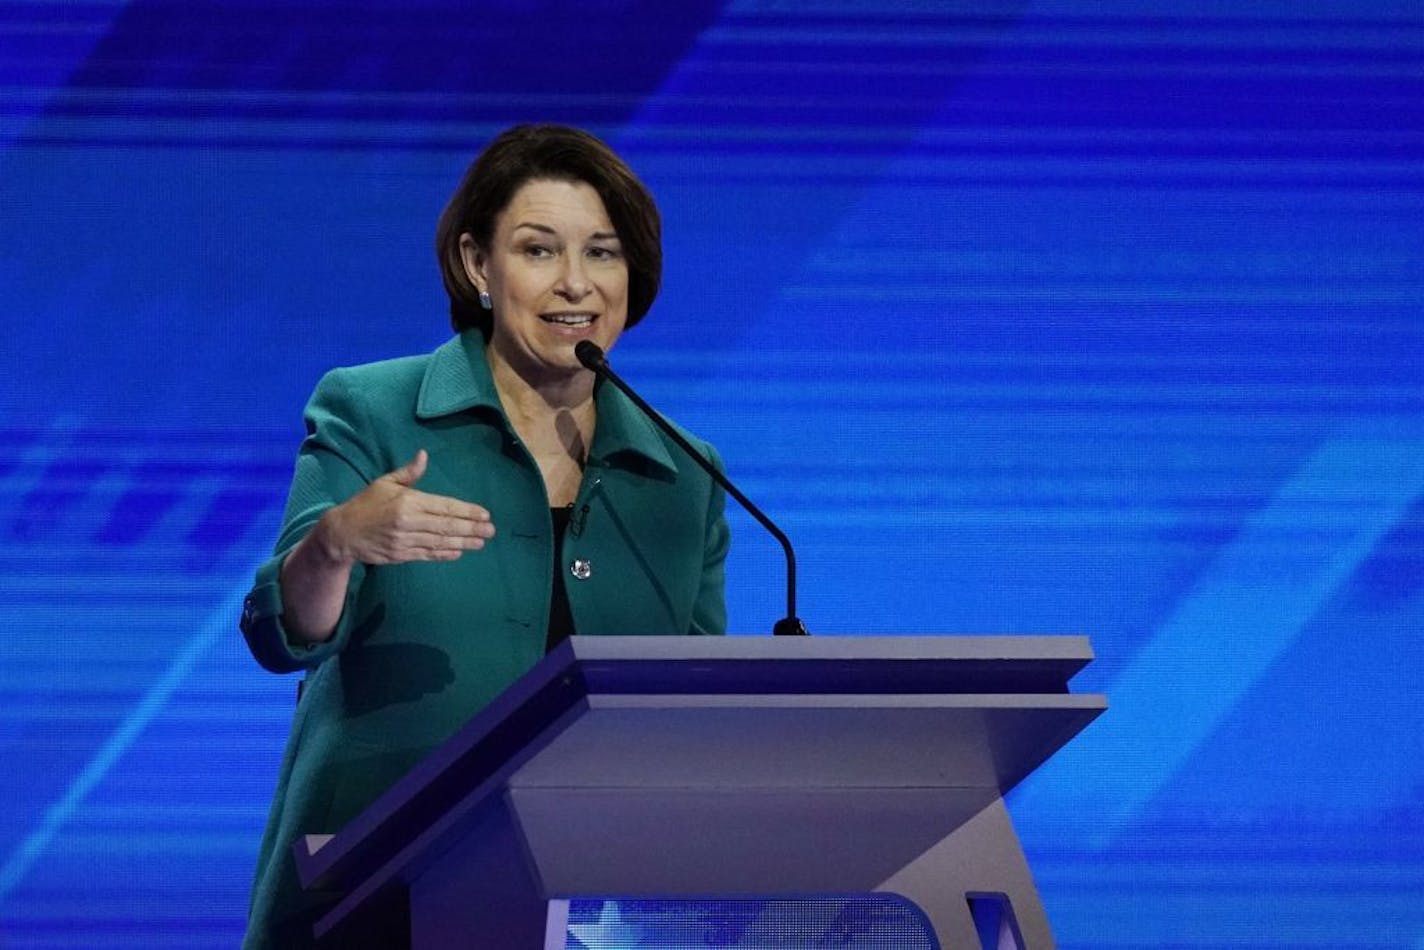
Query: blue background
[1055,317]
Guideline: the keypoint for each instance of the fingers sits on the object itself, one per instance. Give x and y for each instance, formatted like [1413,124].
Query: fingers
[418,512]
[391,522]
[435,547]
[444,532]
[443,506]
[401,547]
[414,533]
[410,473]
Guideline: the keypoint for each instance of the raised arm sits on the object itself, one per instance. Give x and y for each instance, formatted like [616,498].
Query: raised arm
[389,522]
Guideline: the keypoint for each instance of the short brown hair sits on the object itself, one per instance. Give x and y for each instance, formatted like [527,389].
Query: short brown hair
[528,153]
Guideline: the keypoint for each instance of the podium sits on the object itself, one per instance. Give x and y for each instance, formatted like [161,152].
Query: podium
[665,767]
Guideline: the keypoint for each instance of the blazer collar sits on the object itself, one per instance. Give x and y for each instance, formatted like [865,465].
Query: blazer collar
[458,378]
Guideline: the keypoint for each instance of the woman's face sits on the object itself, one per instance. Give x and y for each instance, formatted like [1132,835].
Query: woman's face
[555,273]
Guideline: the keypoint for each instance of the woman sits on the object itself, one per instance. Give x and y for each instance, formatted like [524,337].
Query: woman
[452,516]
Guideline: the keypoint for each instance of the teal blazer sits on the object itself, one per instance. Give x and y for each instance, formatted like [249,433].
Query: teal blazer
[422,647]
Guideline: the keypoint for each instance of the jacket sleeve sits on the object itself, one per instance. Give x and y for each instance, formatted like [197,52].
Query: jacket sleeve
[709,612]
[335,462]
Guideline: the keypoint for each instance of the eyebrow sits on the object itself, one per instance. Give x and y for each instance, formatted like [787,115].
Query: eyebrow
[545,229]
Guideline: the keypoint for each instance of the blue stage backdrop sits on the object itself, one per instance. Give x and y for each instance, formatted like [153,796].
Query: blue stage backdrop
[1057,317]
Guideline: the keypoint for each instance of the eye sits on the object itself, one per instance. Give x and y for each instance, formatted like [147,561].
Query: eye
[602,253]
[538,250]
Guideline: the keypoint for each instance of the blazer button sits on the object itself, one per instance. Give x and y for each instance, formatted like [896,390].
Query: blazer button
[581,569]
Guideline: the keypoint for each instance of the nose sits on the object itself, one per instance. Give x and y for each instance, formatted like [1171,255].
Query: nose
[573,283]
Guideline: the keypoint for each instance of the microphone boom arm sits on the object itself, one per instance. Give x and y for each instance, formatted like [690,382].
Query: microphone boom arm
[591,356]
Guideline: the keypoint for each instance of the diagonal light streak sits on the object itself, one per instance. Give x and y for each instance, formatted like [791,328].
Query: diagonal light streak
[220,623]
[1248,607]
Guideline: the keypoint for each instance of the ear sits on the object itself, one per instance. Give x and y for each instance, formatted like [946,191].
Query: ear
[474,260]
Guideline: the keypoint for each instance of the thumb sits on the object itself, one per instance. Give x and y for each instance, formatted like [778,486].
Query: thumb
[410,473]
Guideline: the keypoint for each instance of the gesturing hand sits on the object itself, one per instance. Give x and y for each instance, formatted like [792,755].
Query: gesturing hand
[390,522]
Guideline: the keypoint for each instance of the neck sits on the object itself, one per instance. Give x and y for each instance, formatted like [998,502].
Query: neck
[549,409]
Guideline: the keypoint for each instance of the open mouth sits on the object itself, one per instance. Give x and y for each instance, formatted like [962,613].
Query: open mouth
[571,320]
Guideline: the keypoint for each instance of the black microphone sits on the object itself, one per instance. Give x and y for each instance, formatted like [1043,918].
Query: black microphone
[590,354]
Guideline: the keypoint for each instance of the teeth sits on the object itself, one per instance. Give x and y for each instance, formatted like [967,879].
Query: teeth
[570,319]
